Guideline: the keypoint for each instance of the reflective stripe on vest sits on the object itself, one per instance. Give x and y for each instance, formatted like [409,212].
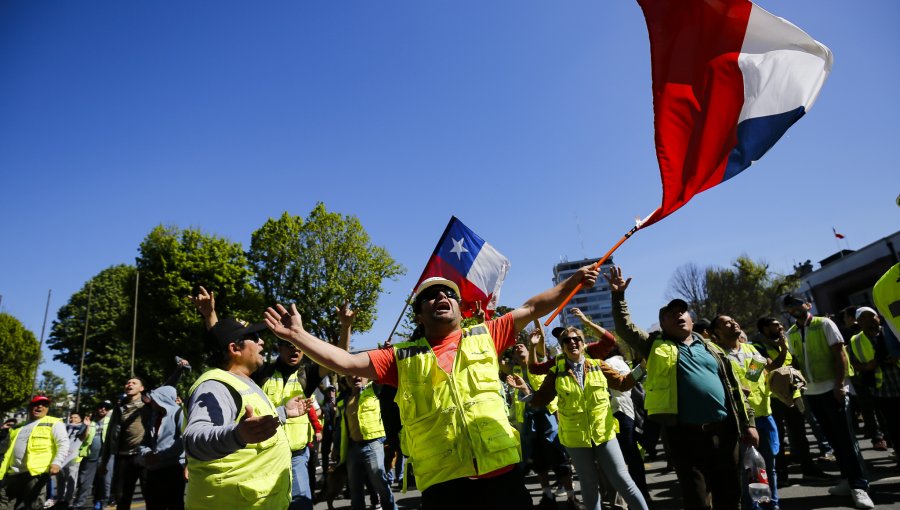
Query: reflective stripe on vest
[585,417]
[368,413]
[455,424]
[760,397]
[661,385]
[298,429]
[821,359]
[256,476]
[39,451]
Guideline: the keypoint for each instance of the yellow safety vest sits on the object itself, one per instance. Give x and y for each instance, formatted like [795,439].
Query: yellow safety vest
[535,380]
[821,359]
[256,476]
[585,417]
[86,445]
[369,416]
[760,398]
[865,352]
[661,386]
[298,429]
[886,294]
[40,450]
[455,423]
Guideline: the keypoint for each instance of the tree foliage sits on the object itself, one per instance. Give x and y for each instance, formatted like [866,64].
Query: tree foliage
[54,387]
[21,354]
[173,264]
[108,354]
[318,263]
[745,291]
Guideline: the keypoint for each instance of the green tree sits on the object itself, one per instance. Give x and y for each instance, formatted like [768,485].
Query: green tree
[745,291]
[173,264]
[318,263]
[21,354]
[107,357]
[54,387]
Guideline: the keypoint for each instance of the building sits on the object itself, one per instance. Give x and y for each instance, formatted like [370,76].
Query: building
[595,302]
[847,277]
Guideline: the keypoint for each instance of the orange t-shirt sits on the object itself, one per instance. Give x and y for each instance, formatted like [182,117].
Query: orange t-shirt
[502,330]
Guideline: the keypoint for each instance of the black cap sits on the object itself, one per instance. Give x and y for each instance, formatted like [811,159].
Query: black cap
[557,331]
[229,330]
[791,300]
[675,304]
[106,404]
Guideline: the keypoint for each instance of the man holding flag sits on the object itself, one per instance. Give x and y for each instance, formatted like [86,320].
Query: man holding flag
[456,431]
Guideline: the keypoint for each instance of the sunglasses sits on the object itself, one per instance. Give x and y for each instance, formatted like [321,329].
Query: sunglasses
[570,339]
[432,293]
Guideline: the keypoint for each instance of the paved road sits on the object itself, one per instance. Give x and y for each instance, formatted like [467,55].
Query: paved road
[884,478]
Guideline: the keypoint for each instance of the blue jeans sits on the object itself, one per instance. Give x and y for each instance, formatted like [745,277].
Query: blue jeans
[366,460]
[606,457]
[301,496]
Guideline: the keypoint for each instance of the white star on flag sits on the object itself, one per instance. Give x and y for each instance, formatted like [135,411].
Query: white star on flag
[458,248]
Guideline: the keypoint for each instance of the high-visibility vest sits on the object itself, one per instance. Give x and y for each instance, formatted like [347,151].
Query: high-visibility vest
[535,381]
[455,423]
[886,294]
[821,359]
[585,416]
[864,351]
[661,385]
[256,476]
[39,451]
[760,397]
[298,429]
[85,448]
[369,416]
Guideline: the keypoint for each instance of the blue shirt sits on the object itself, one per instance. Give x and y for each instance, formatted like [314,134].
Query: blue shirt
[701,395]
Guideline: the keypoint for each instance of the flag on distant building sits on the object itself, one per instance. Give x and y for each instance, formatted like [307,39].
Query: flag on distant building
[474,265]
[729,79]
[839,236]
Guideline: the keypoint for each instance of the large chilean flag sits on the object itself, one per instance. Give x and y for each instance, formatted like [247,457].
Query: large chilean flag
[729,79]
[474,265]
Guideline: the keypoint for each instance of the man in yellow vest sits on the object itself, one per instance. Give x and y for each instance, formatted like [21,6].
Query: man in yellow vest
[871,347]
[237,451]
[818,350]
[886,294]
[90,456]
[456,430]
[694,394]
[36,452]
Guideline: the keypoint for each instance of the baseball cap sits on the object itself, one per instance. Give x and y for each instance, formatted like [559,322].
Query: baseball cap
[674,305]
[791,300]
[864,309]
[557,331]
[40,399]
[229,330]
[431,282]
[106,404]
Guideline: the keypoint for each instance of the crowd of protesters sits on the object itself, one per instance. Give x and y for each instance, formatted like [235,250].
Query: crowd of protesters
[463,413]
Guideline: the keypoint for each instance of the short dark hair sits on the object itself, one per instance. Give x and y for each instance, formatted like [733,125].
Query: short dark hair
[762,322]
[849,311]
[713,322]
[701,325]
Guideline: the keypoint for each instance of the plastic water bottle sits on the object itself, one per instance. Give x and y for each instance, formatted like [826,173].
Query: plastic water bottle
[757,478]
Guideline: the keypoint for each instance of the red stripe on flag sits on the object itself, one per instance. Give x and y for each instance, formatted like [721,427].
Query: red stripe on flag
[698,92]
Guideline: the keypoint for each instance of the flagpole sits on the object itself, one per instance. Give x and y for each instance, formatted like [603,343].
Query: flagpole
[595,266]
[400,318]
[87,319]
[41,344]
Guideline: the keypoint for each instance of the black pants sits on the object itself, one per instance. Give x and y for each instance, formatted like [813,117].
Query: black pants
[504,491]
[791,420]
[87,471]
[706,461]
[834,418]
[23,492]
[164,489]
[126,476]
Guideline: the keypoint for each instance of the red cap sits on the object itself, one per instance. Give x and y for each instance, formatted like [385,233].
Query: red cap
[40,398]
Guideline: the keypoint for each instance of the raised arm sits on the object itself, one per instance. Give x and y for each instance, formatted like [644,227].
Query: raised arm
[289,326]
[635,337]
[537,344]
[206,305]
[346,316]
[544,303]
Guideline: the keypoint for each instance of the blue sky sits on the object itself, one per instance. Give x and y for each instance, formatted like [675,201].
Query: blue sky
[529,120]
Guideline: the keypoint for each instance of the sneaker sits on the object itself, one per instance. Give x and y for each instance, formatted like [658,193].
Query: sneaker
[49,503]
[827,457]
[841,489]
[861,499]
[880,445]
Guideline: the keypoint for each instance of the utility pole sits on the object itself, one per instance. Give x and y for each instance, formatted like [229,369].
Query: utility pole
[41,344]
[87,318]
[137,283]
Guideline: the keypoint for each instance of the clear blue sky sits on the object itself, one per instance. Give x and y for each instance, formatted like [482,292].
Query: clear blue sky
[523,118]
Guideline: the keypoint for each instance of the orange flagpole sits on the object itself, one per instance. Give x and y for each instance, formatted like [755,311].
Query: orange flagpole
[596,266]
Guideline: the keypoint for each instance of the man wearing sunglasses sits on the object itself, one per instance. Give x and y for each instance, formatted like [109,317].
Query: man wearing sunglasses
[238,453]
[36,451]
[460,442]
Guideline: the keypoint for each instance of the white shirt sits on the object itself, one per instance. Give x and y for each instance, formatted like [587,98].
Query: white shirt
[833,337]
[621,400]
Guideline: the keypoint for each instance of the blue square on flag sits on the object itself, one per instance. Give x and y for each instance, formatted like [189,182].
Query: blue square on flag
[460,247]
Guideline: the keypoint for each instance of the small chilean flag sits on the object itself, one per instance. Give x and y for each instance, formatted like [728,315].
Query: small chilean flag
[729,79]
[839,236]
[474,265]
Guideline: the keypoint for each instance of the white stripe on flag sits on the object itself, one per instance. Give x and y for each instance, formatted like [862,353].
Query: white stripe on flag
[488,270]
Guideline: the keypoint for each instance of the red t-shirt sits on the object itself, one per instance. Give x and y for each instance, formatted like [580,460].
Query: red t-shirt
[503,332]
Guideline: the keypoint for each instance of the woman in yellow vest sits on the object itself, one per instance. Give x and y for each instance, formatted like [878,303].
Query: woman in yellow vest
[587,427]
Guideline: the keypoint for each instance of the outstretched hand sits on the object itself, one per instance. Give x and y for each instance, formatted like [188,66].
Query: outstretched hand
[617,283]
[282,323]
[589,275]
[297,406]
[478,312]
[345,314]
[255,429]
[516,382]
[578,313]
[205,302]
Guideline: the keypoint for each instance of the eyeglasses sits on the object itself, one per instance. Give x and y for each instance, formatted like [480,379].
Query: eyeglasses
[571,339]
[255,338]
[432,293]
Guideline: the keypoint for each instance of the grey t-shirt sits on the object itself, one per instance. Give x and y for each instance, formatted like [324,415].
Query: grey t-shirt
[17,463]
[212,408]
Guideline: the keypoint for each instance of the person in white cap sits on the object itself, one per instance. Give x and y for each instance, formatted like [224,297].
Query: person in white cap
[456,432]
[876,350]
